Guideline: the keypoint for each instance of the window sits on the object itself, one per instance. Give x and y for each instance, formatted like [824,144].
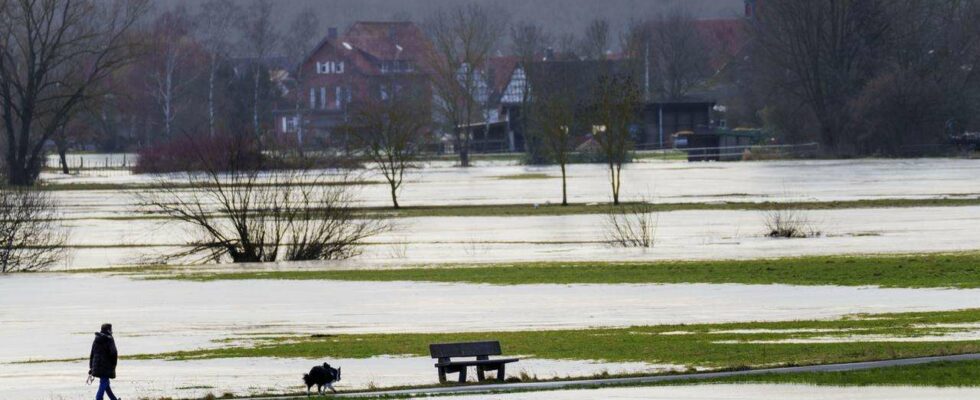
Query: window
[312,98]
[337,96]
[289,124]
[323,98]
[330,67]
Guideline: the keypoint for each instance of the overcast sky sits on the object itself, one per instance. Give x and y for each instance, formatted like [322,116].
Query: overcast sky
[559,16]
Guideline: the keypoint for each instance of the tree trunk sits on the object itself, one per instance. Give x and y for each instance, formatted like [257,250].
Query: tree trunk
[211,78]
[614,180]
[255,103]
[564,186]
[464,157]
[62,157]
[18,175]
[394,196]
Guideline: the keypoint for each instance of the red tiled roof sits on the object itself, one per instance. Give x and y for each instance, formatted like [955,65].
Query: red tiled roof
[388,41]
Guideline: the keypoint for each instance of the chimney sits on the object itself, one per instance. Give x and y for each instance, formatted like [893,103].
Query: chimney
[332,33]
[549,54]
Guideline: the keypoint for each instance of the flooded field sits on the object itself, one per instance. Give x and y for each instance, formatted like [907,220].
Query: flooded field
[679,235]
[256,376]
[52,316]
[440,183]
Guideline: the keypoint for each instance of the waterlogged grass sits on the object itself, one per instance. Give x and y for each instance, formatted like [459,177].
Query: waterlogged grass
[521,210]
[603,208]
[731,345]
[524,177]
[178,185]
[938,374]
[953,270]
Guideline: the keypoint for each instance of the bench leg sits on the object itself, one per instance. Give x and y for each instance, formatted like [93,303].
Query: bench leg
[462,375]
[500,373]
[479,373]
[442,375]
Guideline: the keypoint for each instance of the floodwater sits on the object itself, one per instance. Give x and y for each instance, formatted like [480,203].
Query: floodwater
[678,235]
[196,379]
[52,316]
[743,392]
[440,183]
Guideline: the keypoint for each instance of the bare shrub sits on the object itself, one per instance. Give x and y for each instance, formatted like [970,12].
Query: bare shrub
[265,216]
[783,222]
[632,225]
[30,237]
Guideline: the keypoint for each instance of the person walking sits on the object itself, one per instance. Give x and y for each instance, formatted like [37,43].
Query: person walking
[102,361]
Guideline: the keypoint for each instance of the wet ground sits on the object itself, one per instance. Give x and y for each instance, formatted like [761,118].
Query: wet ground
[441,183]
[678,235]
[51,316]
[743,392]
[196,379]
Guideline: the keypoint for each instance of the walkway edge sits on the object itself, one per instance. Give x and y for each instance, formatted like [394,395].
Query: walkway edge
[553,385]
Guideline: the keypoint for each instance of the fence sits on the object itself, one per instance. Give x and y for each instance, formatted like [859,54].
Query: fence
[77,162]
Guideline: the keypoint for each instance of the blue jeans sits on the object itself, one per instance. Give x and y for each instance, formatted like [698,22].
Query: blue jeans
[104,388]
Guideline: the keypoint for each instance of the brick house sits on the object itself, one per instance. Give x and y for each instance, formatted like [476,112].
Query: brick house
[369,61]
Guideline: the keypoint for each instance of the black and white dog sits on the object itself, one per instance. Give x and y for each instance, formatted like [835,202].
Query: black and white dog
[321,375]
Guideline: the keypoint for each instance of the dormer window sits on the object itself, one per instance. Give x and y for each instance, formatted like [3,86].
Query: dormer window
[330,67]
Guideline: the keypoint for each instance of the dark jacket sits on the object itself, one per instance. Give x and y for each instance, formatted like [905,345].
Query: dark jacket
[102,360]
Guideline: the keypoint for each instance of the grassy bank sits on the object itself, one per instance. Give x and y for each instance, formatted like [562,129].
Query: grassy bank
[940,374]
[731,345]
[504,210]
[522,210]
[177,185]
[955,270]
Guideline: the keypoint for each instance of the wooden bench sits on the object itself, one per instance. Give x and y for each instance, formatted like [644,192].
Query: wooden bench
[481,350]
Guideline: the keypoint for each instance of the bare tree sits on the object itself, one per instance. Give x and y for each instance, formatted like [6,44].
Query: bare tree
[213,28]
[53,53]
[259,37]
[632,225]
[252,216]
[819,52]
[679,56]
[392,133]
[463,39]
[637,43]
[615,111]
[554,120]
[301,37]
[31,238]
[529,42]
[788,223]
[169,71]
[597,39]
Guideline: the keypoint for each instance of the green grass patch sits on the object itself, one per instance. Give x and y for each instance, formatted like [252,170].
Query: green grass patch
[180,186]
[938,374]
[729,345]
[505,210]
[522,210]
[936,270]
[525,177]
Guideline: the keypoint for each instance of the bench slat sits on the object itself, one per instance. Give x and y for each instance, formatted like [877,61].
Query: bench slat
[477,362]
[470,349]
